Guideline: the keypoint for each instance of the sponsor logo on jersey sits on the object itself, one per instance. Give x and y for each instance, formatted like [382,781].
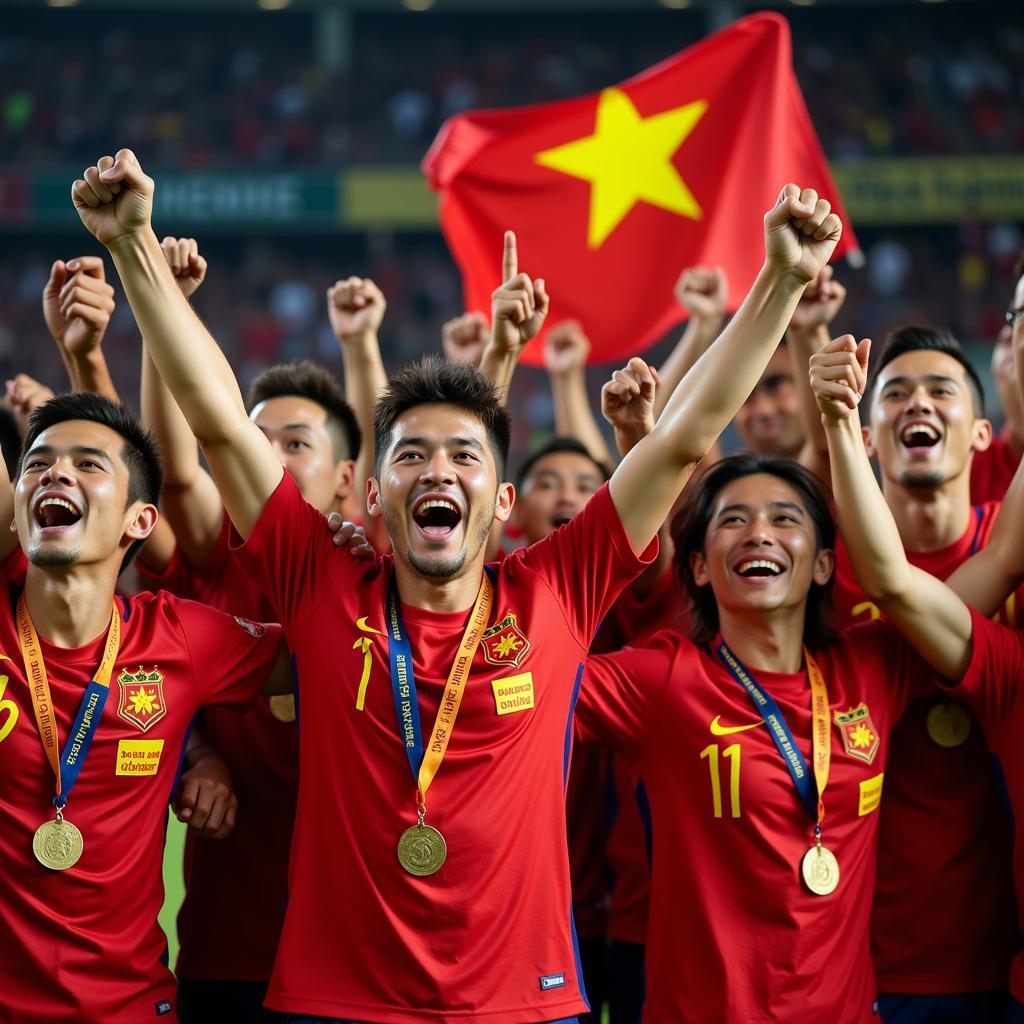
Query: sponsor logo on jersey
[505,643]
[870,795]
[513,693]
[254,629]
[163,1007]
[142,697]
[548,981]
[717,729]
[138,757]
[860,737]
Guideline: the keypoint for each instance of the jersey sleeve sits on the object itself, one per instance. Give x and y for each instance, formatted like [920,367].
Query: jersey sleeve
[587,562]
[231,657]
[291,556]
[992,681]
[622,692]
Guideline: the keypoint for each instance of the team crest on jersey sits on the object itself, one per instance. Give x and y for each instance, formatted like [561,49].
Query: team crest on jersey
[142,697]
[860,737]
[505,643]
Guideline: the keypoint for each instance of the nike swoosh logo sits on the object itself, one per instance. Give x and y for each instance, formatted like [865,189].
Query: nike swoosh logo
[361,624]
[728,730]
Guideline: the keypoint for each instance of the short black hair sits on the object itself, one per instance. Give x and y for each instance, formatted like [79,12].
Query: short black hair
[139,452]
[929,339]
[10,440]
[305,379]
[689,529]
[557,446]
[434,380]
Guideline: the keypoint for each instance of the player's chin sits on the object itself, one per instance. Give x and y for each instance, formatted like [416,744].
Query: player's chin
[438,564]
[51,555]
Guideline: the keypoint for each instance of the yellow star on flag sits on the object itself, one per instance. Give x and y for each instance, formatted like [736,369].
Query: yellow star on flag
[628,160]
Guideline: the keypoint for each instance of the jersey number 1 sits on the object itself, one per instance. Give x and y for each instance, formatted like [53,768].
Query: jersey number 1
[733,754]
[8,709]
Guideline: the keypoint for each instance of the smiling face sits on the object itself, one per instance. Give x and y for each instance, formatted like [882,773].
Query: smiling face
[768,422]
[71,500]
[298,431]
[556,488]
[924,429]
[438,490]
[760,548]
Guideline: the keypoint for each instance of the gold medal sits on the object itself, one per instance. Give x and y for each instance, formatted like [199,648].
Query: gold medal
[949,725]
[57,844]
[820,870]
[282,707]
[422,850]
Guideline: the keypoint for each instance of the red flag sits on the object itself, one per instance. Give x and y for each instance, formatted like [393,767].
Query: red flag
[612,195]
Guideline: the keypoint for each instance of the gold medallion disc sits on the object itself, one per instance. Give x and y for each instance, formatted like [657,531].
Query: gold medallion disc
[421,850]
[820,870]
[57,844]
[949,725]
[282,707]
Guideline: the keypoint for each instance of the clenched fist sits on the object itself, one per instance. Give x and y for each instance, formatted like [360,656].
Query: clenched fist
[463,338]
[703,291]
[114,198]
[800,233]
[355,306]
[187,266]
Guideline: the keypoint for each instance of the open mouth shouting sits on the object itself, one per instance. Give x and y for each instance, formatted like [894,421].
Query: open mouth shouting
[919,436]
[757,570]
[436,516]
[55,513]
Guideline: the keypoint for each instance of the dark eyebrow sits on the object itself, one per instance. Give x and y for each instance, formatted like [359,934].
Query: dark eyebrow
[78,449]
[930,378]
[298,426]
[739,507]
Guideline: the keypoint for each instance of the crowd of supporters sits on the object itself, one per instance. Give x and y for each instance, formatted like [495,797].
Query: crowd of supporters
[907,82]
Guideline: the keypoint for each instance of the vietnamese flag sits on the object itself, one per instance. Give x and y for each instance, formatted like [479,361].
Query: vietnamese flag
[612,195]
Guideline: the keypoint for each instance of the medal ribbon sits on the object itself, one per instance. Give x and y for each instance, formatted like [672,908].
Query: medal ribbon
[812,794]
[67,763]
[425,764]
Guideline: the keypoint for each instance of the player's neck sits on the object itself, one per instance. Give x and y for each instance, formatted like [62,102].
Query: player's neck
[454,594]
[69,607]
[772,641]
[930,518]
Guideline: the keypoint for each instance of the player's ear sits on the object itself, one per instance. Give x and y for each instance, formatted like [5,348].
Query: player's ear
[344,478]
[824,566]
[373,505]
[699,568]
[504,502]
[140,519]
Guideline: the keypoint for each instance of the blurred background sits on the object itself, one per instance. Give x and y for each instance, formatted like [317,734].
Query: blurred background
[286,137]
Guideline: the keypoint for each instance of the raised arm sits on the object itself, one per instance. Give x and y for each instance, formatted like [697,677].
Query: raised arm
[801,233]
[464,338]
[923,608]
[190,501]
[77,307]
[808,333]
[704,291]
[115,202]
[356,308]
[566,349]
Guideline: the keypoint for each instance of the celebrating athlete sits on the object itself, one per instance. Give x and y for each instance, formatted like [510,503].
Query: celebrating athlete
[437,882]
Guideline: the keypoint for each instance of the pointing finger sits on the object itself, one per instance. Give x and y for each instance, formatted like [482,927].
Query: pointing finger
[510,258]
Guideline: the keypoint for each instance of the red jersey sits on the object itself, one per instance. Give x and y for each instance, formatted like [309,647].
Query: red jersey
[490,935]
[734,934]
[84,945]
[993,469]
[992,685]
[224,933]
[943,828]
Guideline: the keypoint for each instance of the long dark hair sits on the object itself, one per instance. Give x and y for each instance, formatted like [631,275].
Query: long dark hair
[689,528]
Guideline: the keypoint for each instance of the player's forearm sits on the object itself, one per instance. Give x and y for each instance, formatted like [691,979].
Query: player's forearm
[498,365]
[160,413]
[802,345]
[187,358]
[700,332]
[365,380]
[711,394]
[574,416]
[89,372]
[868,528]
